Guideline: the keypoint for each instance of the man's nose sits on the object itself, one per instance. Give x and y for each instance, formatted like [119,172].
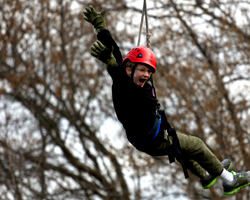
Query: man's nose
[147,73]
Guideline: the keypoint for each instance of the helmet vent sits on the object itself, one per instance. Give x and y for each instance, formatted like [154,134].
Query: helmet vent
[139,55]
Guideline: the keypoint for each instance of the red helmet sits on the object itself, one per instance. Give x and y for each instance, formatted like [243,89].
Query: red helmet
[142,55]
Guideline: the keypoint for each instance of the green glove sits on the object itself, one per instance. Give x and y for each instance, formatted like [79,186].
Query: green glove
[96,19]
[103,54]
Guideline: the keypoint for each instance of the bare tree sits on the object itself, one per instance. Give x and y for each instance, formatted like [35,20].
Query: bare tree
[204,79]
[52,149]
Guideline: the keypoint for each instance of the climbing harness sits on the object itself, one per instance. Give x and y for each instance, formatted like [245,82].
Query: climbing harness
[144,13]
[162,123]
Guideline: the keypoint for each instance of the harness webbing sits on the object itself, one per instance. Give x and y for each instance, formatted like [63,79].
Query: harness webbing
[176,145]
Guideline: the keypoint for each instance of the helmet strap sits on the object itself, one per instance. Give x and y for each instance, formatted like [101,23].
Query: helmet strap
[132,72]
[152,84]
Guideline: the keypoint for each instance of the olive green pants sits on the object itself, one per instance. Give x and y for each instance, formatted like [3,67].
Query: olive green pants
[199,158]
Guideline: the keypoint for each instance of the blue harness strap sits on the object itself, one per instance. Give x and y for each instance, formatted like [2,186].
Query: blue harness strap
[158,129]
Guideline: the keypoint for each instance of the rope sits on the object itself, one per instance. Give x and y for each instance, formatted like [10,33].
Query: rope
[142,17]
[144,13]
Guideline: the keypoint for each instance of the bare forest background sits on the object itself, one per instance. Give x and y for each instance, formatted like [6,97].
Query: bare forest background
[59,136]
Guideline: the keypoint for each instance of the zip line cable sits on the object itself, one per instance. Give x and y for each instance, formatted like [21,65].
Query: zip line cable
[144,13]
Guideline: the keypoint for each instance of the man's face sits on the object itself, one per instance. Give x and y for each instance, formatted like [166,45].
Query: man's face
[141,75]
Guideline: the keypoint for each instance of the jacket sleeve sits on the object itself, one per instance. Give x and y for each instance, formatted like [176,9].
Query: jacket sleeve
[105,37]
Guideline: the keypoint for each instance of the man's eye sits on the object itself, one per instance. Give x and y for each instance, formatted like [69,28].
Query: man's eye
[144,70]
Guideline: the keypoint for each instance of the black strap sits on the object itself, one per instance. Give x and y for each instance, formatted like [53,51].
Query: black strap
[176,145]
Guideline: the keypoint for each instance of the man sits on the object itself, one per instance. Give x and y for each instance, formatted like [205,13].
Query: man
[137,108]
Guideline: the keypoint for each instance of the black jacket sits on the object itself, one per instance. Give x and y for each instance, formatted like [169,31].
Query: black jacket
[135,106]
